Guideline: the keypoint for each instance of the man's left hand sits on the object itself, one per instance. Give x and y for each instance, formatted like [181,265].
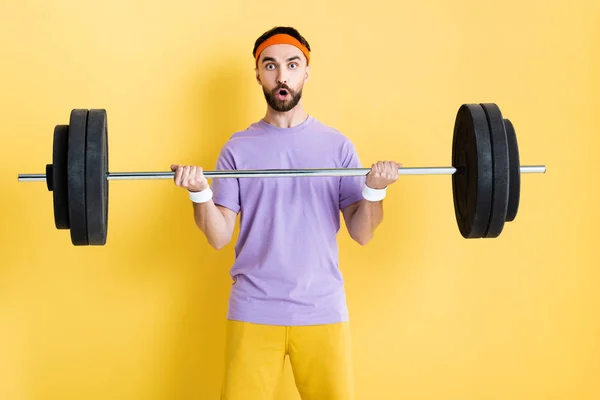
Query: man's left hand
[382,174]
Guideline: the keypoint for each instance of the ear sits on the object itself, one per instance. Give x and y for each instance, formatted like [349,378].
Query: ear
[257,76]
[306,73]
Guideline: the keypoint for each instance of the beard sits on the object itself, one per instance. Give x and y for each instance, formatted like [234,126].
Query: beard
[291,100]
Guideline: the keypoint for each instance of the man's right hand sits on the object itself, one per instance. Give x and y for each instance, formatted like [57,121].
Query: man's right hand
[189,177]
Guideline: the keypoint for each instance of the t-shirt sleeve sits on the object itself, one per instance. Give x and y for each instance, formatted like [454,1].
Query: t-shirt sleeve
[350,186]
[226,191]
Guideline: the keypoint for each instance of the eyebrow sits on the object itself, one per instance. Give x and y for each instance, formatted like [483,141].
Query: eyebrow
[288,60]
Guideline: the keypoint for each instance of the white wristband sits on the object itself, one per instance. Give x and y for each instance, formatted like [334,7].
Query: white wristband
[202,196]
[373,194]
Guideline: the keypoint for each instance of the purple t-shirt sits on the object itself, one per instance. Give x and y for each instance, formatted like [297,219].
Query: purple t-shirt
[286,266]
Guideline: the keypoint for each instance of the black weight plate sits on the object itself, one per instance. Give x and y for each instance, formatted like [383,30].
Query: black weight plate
[60,187]
[501,172]
[96,186]
[472,183]
[514,168]
[76,177]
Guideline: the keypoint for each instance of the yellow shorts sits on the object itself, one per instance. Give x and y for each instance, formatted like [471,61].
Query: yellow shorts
[319,356]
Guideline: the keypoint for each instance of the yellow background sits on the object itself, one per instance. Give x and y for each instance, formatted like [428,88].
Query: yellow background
[434,316]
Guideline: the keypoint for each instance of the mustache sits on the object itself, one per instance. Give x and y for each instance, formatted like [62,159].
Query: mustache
[284,86]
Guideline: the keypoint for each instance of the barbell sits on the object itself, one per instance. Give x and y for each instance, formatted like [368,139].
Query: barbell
[486,182]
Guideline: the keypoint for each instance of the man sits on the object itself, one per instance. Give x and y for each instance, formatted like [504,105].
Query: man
[287,297]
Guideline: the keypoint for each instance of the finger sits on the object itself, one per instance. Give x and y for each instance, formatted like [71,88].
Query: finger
[198,178]
[387,169]
[174,169]
[180,171]
[394,170]
[178,175]
[382,169]
[377,169]
[184,176]
[192,177]
[397,169]
[187,176]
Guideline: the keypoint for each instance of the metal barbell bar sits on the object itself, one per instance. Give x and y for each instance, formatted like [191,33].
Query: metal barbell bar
[279,173]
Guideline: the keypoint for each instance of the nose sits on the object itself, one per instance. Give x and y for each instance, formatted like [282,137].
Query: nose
[282,77]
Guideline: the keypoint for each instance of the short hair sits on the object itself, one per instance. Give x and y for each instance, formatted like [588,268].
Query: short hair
[288,30]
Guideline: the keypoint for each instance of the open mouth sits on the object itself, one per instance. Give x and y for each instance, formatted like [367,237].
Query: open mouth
[282,94]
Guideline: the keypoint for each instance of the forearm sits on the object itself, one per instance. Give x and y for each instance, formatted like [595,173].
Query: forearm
[211,221]
[365,220]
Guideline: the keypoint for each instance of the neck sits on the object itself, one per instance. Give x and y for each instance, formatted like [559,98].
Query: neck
[289,119]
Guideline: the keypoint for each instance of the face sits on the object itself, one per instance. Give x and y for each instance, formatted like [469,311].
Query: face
[282,72]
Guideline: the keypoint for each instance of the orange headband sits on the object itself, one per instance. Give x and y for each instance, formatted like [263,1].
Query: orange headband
[282,38]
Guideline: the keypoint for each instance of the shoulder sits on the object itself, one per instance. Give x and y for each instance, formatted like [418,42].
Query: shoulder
[333,135]
[239,138]
[335,143]
[341,140]
[325,128]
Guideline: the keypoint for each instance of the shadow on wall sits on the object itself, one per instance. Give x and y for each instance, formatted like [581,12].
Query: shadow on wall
[215,109]
[193,364]
[224,95]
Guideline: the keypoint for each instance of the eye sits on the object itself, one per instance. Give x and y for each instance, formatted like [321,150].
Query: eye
[270,66]
[293,65]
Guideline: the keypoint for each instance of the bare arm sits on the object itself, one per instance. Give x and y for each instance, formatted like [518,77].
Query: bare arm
[216,222]
[362,218]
